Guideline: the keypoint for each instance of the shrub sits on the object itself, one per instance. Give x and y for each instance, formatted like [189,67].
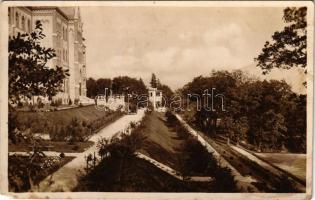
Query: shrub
[31,107]
[57,132]
[75,131]
[58,102]
[62,155]
[19,104]
[40,103]
[123,146]
[76,101]
[75,147]
[69,102]
[170,117]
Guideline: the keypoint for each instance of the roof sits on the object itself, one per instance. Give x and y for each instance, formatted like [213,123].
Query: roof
[68,12]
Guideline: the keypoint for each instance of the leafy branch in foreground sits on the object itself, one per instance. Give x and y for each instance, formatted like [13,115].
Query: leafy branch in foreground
[288,48]
[29,74]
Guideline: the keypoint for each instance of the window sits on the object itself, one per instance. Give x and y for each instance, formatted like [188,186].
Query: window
[17,20]
[23,23]
[64,33]
[9,11]
[80,86]
[28,25]
[59,28]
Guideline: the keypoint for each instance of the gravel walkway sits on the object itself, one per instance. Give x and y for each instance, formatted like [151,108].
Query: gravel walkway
[65,178]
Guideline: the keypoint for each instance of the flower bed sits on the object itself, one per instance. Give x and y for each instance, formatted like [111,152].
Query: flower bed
[23,173]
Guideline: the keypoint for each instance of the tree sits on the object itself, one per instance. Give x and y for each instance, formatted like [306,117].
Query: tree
[266,114]
[153,81]
[101,84]
[288,48]
[29,74]
[167,93]
[128,85]
[91,88]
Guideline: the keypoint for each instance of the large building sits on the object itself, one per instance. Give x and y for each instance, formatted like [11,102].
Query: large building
[63,29]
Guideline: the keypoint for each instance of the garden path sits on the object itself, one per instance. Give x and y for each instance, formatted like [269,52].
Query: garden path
[65,178]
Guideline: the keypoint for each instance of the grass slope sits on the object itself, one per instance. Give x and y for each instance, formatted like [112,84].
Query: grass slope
[162,142]
[86,113]
[138,176]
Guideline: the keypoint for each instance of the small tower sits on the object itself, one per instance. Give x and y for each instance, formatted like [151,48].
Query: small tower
[155,97]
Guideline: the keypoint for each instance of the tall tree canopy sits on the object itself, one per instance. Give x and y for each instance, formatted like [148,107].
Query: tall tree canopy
[154,81]
[97,87]
[29,74]
[128,85]
[288,47]
[266,114]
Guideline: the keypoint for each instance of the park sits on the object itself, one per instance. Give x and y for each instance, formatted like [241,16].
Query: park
[224,131]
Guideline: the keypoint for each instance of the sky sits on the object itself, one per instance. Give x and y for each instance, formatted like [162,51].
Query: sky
[179,43]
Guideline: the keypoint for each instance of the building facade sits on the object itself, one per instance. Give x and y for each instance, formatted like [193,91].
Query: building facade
[63,29]
[155,97]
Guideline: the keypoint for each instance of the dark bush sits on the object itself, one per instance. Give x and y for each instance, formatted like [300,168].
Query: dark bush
[75,147]
[76,101]
[19,104]
[31,107]
[62,155]
[69,102]
[58,102]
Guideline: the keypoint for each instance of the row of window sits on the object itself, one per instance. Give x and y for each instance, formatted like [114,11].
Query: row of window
[63,54]
[20,21]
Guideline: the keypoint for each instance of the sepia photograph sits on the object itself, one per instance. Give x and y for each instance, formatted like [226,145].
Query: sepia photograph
[156,98]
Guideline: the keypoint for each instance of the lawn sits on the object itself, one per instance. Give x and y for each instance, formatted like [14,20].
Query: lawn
[63,131]
[292,163]
[120,171]
[162,142]
[85,113]
[58,146]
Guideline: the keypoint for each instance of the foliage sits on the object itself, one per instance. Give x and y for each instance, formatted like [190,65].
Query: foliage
[76,101]
[126,85]
[69,102]
[29,74]
[172,121]
[154,81]
[97,87]
[288,48]
[63,129]
[167,93]
[25,172]
[266,114]
[194,159]
[75,131]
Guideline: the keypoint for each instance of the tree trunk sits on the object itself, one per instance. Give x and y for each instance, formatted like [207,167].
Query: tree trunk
[30,179]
